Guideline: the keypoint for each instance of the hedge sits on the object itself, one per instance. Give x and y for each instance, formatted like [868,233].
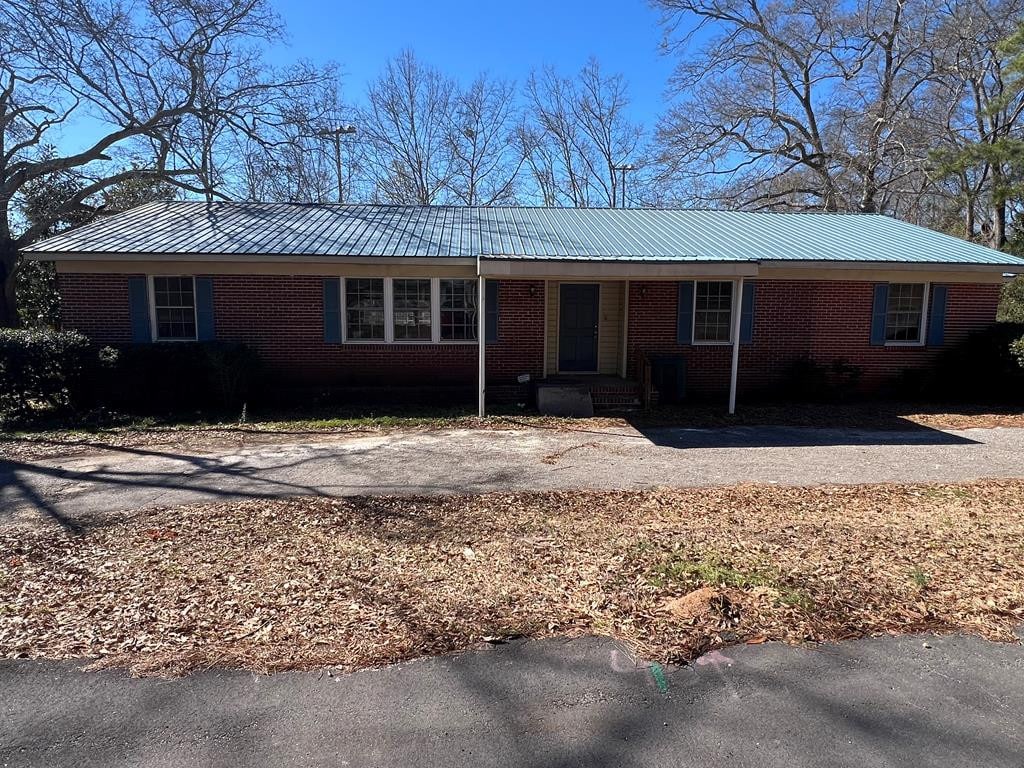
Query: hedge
[162,378]
[39,368]
[982,366]
[45,371]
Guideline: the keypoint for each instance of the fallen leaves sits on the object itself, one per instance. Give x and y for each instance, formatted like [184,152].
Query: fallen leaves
[313,582]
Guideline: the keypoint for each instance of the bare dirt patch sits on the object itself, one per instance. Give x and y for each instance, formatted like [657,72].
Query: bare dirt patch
[31,446]
[311,582]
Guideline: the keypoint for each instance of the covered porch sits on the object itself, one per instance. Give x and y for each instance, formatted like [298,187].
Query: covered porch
[593,339]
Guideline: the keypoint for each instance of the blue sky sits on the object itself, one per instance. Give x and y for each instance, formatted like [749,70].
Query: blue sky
[462,38]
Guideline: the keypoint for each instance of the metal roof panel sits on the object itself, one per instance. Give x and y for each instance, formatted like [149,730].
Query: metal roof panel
[195,228]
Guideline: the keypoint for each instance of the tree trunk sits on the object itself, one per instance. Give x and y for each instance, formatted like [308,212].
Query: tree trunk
[8,303]
[998,224]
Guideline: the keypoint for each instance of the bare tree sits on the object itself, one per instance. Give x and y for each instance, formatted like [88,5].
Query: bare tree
[983,109]
[799,104]
[405,126]
[576,133]
[487,156]
[166,83]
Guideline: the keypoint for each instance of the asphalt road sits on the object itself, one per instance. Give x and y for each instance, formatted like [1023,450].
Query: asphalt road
[912,701]
[480,460]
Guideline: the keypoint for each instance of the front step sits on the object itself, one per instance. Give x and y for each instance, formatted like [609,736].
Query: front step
[625,395]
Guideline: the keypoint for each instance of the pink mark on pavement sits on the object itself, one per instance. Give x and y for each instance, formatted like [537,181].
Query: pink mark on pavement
[715,658]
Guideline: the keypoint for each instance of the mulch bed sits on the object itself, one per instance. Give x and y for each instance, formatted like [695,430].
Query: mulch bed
[313,582]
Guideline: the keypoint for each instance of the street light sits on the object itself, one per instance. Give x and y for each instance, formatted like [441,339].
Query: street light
[336,134]
[623,169]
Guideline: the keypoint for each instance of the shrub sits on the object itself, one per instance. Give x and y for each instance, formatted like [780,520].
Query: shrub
[982,366]
[808,379]
[1017,349]
[39,367]
[162,378]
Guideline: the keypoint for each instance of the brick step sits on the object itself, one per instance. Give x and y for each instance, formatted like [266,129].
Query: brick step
[626,396]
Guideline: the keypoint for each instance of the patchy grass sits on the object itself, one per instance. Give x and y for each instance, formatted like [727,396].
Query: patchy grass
[310,582]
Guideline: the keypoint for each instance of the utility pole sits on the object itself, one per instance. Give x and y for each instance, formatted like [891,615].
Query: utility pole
[336,134]
[623,169]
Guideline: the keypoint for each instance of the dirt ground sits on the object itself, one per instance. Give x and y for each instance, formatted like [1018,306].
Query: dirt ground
[56,443]
[311,582]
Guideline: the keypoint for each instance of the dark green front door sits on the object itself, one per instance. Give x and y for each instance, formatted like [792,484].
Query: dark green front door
[577,327]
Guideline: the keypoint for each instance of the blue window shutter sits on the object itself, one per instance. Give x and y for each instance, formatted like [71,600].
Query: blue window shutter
[491,311]
[937,316]
[138,310]
[747,314]
[332,310]
[878,314]
[684,318]
[204,309]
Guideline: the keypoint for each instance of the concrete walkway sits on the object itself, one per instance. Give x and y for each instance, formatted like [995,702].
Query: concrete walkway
[912,701]
[456,461]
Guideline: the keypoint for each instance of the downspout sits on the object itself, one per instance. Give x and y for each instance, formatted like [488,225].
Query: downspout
[481,339]
[737,312]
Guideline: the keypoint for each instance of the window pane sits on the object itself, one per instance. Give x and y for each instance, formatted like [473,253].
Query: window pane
[712,311]
[364,308]
[458,310]
[904,312]
[412,310]
[174,304]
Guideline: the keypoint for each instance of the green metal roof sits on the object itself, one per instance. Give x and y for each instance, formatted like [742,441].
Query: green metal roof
[195,229]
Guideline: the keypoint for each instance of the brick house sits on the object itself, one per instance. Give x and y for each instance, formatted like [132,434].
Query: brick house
[497,297]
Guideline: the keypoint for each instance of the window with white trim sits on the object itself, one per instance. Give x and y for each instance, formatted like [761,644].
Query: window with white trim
[364,309]
[712,311]
[174,308]
[411,302]
[459,318]
[904,313]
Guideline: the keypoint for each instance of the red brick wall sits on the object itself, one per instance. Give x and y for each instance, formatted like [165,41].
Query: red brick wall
[282,317]
[96,305]
[826,320]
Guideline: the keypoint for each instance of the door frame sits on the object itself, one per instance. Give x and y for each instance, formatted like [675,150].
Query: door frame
[558,329]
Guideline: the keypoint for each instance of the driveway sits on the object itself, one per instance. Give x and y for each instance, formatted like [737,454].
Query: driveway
[910,701]
[457,461]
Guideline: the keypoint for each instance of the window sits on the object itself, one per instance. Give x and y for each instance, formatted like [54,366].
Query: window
[712,312]
[364,309]
[458,310]
[904,313]
[174,308]
[412,312]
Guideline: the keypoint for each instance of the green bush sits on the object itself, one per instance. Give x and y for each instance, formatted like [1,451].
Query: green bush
[39,368]
[981,367]
[1017,349]
[164,378]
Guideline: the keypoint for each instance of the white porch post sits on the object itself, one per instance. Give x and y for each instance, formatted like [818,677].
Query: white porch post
[481,338]
[737,312]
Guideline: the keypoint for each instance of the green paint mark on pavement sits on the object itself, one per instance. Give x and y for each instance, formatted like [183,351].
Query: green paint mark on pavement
[659,678]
